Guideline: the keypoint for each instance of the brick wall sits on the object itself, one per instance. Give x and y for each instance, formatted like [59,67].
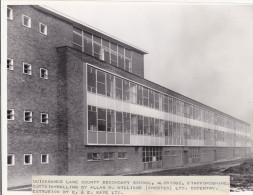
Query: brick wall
[32,93]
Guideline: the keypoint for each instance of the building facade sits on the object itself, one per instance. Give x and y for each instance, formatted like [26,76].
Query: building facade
[78,104]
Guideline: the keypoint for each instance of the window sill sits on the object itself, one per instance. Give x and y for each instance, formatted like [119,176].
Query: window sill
[93,160]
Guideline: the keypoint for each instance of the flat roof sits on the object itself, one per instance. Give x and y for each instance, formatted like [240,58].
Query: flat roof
[92,29]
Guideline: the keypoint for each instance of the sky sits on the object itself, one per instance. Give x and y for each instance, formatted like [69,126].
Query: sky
[202,51]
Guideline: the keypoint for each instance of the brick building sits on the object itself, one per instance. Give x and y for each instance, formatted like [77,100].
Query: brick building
[78,104]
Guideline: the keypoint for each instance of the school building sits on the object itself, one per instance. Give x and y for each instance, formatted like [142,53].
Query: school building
[79,104]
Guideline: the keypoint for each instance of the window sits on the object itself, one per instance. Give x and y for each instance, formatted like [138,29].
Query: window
[28,116]
[44,118]
[101,119]
[166,128]
[119,122]
[128,65]
[133,96]
[157,124]
[10,114]
[140,124]
[134,124]
[43,73]
[139,94]
[146,126]
[10,64]
[11,159]
[122,155]
[92,118]
[43,29]
[77,39]
[110,85]
[118,88]
[93,156]
[150,98]
[91,79]
[100,82]
[98,52]
[145,96]
[27,69]
[126,93]
[156,94]
[121,57]
[151,154]
[26,21]
[126,118]
[110,121]
[87,42]
[114,51]
[44,158]
[108,155]
[105,48]
[9,13]
[27,159]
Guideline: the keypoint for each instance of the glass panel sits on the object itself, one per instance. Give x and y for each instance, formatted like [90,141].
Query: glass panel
[100,82]
[110,85]
[91,79]
[101,119]
[92,118]
[119,122]
[97,51]
[146,126]
[133,96]
[77,39]
[152,126]
[145,96]
[126,94]
[161,128]
[78,30]
[121,61]
[134,123]
[118,88]
[157,124]
[128,53]
[139,94]
[166,128]
[156,94]
[140,125]
[110,121]
[165,103]
[126,123]
[97,39]
[151,98]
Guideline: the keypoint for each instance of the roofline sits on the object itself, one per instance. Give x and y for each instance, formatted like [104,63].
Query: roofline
[73,21]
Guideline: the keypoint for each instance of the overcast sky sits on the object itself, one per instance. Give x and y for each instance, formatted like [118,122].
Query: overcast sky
[204,52]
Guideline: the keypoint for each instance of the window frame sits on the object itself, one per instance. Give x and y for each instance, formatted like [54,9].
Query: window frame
[31,159]
[108,157]
[42,118]
[13,114]
[122,158]
[45,74]
[29,21]
[40,25]
[11,66]
[30,116]
[29,71]
[11,13]
[47,159]
[13,159]
[97,153]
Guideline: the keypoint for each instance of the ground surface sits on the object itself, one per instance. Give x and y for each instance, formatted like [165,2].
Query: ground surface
[240,172]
